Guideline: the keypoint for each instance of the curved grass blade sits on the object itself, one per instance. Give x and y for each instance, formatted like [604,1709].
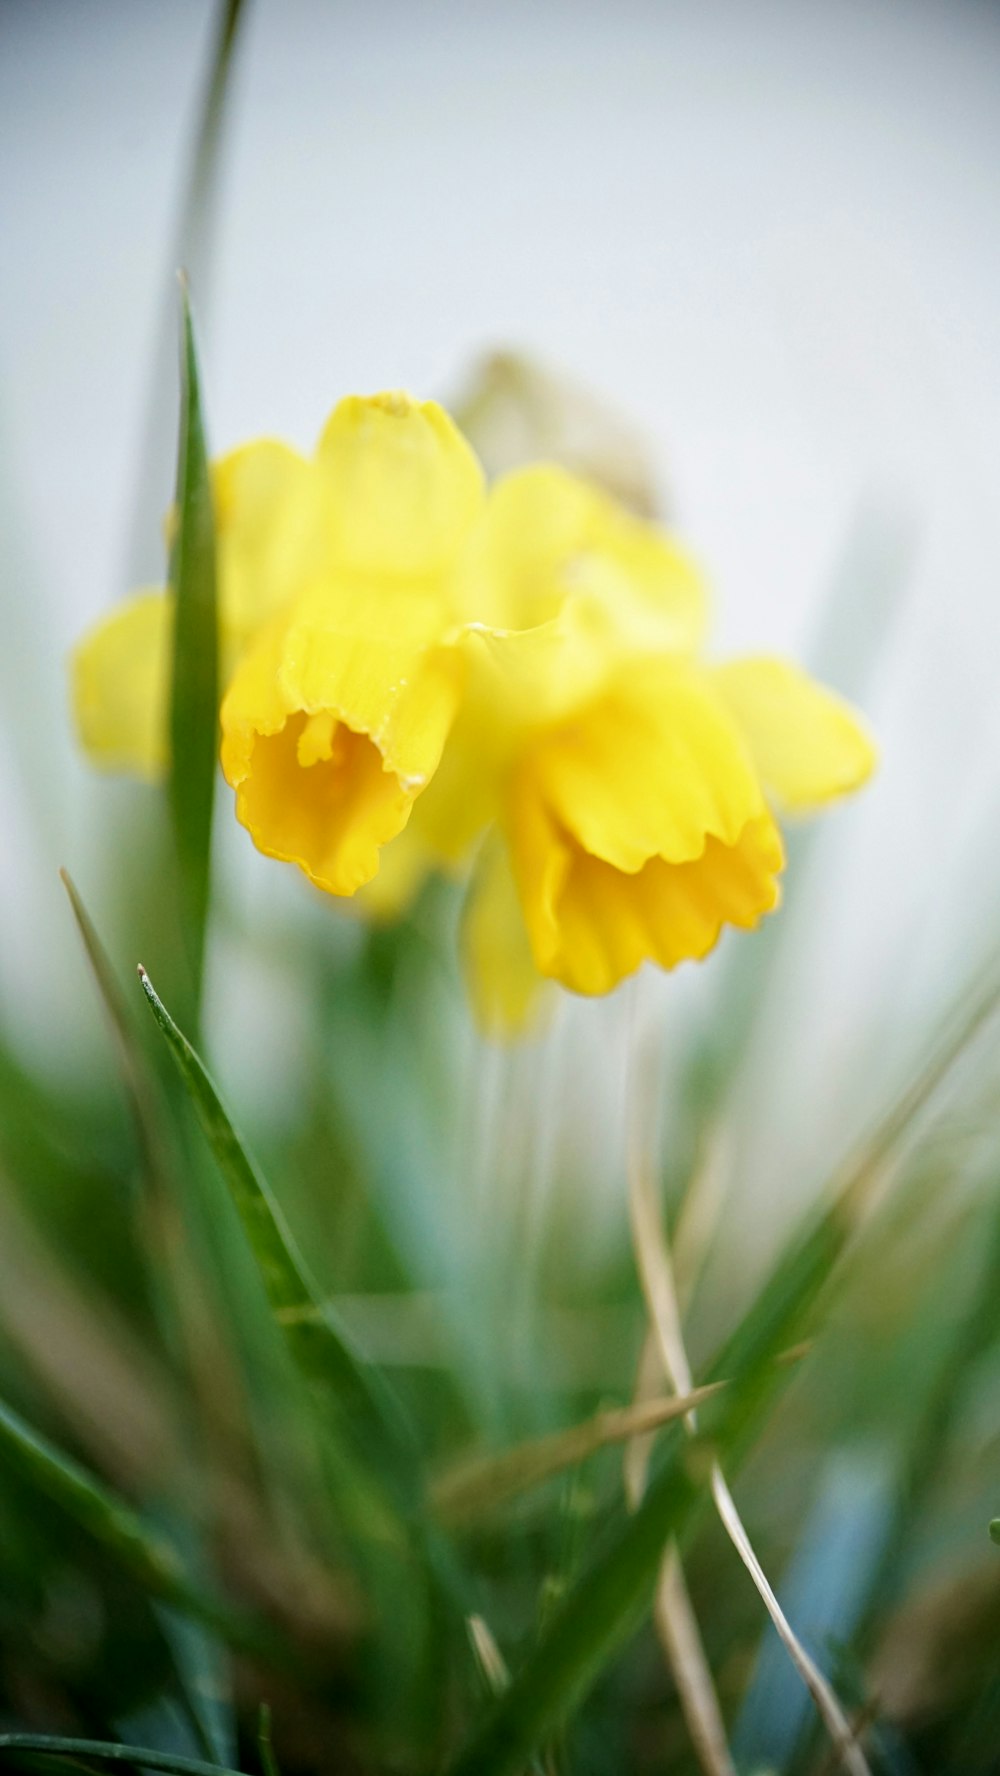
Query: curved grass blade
[194,692]
[190,246]
[150,1560]
[138,1079]
[320,1345]
[181,1222]
[102,1751]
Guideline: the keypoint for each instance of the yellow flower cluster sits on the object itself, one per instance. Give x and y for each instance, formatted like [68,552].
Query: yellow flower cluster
[422,673]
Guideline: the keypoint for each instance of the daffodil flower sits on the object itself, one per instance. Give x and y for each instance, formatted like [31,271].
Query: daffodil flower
[336,595]
[630,789]
[336,716]
[511,686]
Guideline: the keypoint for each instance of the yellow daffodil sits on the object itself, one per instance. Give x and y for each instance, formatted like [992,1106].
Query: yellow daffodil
[335,593]
[517,680]
[337,714]
[631,787]
[642,824]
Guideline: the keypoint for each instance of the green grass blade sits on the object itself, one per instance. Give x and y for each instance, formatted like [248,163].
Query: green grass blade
[140,1084]
[599,1612]
[320,1346]
[151,1561]
[605,1602]
[191,247]
[194,693]
[102,1751]
[265,1749]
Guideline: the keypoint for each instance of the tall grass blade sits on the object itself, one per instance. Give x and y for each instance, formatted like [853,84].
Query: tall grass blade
[320,1346]
[141,1086]
[190,247]
[102,1751]
[194,692]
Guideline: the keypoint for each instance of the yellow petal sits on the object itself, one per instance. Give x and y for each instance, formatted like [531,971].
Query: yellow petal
[506,990]
[272,532]
[547,535]
[330,817]
[121,677]
[404,866]
[652,769]
[375,657]
[327,738]
[513,685]
[402,486]
[537,522]
[809,745]
[591,925]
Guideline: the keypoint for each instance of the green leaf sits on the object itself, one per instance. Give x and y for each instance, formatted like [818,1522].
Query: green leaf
[151,1561]
[194,693]
[107,1752]
[320,1345]
[995,1530]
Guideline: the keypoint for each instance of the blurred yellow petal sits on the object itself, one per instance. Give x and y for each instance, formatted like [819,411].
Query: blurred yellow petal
[514,685]
[506,990]
[271,529]
[652,769]
[591,925]
[402,487]
[660,597]
[536,524]
[547,536]
[809,745]
[121,679]
[404,866]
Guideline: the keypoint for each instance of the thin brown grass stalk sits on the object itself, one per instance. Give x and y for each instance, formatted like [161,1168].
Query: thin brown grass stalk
[653,1262]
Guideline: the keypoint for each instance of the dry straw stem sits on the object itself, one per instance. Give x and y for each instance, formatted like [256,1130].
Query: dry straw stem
[479,1485]
[673,1613]
[677,1627]
[489,1658]
[693,1680]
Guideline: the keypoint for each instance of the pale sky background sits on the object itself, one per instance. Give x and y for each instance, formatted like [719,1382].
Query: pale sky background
[767,230]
